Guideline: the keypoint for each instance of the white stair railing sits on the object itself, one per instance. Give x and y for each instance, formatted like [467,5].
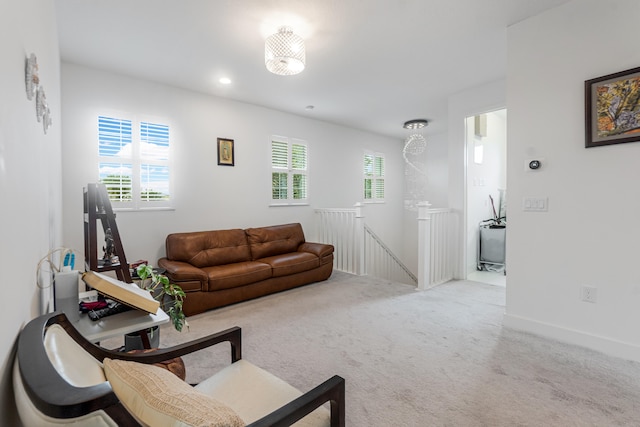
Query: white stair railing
[435,257]
[343,228]
[381,262]
[358,250]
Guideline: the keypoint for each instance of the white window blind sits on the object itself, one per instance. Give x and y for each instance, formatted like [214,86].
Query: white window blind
[289,183]
[374,177]
[134,165]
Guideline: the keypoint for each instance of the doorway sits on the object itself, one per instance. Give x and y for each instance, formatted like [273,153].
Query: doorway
[486,187]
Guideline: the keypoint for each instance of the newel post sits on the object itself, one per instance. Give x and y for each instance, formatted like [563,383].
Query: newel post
[424,245]
[359,239]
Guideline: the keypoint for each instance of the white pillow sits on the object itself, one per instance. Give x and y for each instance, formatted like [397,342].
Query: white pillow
[158,398]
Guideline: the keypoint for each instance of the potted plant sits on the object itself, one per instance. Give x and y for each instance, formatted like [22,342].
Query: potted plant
[169,294]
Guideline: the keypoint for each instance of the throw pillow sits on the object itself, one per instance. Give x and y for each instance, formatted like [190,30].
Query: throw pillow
[156,397]
[175,365]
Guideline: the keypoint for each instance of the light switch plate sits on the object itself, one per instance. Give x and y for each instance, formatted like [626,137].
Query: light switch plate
[535,204]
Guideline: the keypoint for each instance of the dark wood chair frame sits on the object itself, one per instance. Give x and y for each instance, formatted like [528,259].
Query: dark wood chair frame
[55,397]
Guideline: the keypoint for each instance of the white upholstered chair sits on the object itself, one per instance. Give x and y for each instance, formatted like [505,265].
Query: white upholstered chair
[61,378]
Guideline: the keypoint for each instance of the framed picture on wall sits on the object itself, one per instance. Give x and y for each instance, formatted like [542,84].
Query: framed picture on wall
[612,108]
[226,155]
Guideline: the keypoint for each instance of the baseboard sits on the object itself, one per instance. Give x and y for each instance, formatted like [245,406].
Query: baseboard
[594,342]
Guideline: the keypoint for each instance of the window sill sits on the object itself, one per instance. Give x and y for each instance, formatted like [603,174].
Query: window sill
[278,205]
[156,209]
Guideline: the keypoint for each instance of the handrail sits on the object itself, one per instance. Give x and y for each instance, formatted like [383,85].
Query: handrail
[390,254]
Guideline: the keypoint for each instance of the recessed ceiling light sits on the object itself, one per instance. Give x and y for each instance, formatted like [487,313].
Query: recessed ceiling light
[309,107]
[225,80]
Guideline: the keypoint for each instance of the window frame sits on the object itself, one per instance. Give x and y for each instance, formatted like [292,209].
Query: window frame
[377,177]
[137,160]
[289,171]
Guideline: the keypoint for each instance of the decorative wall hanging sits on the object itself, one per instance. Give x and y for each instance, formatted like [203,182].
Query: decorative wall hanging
[32,79]
[225,152]
[612,109]
[34,89]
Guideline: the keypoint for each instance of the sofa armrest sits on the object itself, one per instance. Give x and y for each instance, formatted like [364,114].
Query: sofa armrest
[182,271]
[332,391]
[318,249]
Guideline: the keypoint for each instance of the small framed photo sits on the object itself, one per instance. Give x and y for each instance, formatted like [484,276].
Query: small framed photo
[226,155]
[612,108]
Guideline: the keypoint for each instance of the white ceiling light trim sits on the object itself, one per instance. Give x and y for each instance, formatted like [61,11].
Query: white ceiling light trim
[284,52]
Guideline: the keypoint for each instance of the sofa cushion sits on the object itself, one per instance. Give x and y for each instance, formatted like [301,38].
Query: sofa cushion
[207,248]
[236,274]
[291,263]
[274,240]
[156,397]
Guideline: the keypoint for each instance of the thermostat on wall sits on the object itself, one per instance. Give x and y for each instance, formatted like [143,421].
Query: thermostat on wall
[534,164]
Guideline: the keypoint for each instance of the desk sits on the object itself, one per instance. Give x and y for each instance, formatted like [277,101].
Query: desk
[118,324]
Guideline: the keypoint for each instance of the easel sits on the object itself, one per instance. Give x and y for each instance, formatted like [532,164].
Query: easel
[97,207]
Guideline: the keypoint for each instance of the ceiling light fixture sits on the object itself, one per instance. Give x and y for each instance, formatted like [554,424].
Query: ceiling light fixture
[414,156]
[284,52]
[415,124]
[225,80]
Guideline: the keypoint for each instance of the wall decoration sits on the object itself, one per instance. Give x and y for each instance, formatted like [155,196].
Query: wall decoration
[32,79]
[612,108]
[34,89]
[226,155]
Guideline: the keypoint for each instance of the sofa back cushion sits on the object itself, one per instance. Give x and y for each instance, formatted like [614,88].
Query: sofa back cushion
[208,248]
[274,240]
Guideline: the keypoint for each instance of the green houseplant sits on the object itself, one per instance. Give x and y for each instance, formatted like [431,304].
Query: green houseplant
[169,294]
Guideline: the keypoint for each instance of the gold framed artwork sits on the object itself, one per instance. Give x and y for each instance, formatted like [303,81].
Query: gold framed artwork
[612,108]
[226,156]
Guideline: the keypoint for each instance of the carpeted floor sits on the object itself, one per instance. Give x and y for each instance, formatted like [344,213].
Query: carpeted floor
[411,358]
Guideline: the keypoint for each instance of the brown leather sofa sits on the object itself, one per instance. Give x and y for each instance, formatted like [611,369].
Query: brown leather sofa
[221,267]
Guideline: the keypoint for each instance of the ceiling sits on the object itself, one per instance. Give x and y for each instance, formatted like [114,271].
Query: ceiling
[371,64]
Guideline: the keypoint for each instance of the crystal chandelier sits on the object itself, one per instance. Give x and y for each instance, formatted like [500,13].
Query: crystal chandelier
[415,171]
[284,52]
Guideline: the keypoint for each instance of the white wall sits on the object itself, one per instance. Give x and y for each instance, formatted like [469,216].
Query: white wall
[30,184]
[489,97]
[590,234]
[208,196]
[485,179]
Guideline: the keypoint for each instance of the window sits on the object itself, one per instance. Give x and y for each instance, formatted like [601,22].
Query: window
[289,184]
[134,165]
[374,177]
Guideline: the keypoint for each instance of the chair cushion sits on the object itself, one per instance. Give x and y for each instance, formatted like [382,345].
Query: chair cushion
[253,393]
[83,370]
[156,397]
